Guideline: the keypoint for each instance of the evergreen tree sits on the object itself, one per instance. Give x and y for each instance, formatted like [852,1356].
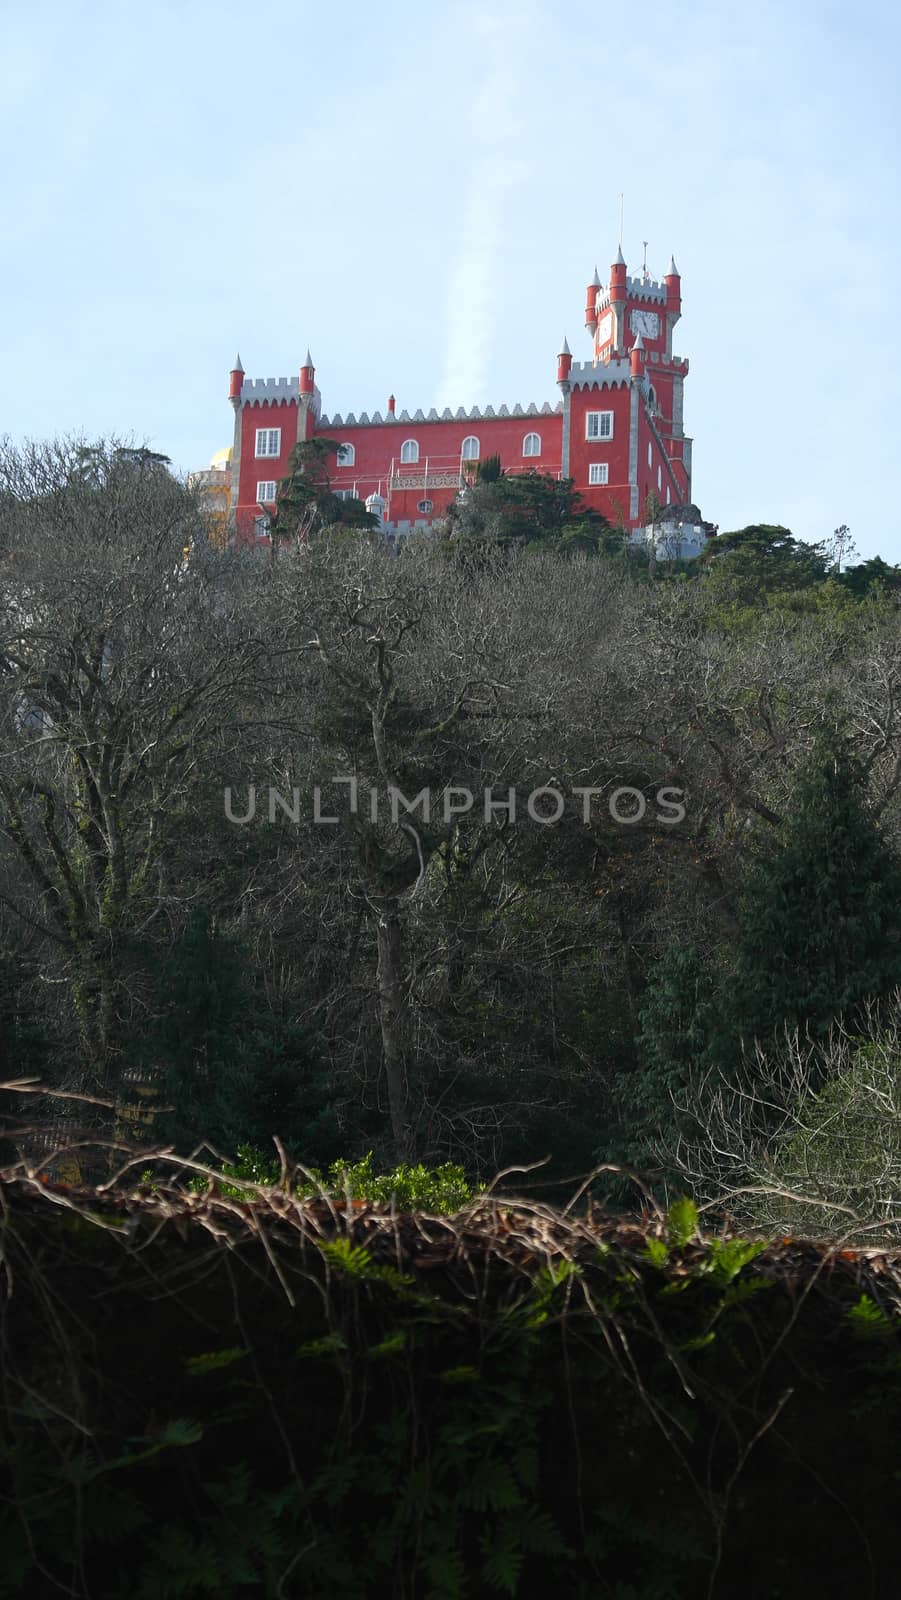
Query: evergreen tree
[683,1035]
[306,501]
[820,912]
[526,509]
[235,1070]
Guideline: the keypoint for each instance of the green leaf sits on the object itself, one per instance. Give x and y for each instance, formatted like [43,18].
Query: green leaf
[657,1252]
[330,1344]
[729,1256]
[699,1342]
[212,1360]
[394,1344]
[869,1319]
[682,1221]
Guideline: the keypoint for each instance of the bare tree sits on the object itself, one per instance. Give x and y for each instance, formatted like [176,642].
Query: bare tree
[121,661]
[807,1140]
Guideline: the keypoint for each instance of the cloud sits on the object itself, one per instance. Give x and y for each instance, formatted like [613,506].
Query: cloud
[489,174]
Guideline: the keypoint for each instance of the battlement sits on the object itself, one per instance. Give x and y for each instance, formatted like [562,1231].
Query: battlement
[270,391]
[447,415]
[606,375]
[636,289]
[646,289]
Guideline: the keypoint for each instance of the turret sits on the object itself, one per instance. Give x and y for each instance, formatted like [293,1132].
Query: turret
[564,362]
[637,358]
[591,295]
[618,278]
[673,289]
[307,374]
[391,404]
[236,380]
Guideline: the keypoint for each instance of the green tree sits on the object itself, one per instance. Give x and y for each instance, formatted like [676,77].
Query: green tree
[306,502]
[682,1036]
[820,911]
[234,1069]
[756,565]
[871,577]
[516,510]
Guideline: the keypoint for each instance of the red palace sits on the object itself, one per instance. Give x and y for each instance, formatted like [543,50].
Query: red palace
[616,431]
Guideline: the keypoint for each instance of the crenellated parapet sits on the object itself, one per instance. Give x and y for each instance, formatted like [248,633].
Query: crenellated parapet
[270,391]
[608,375]
[476,414]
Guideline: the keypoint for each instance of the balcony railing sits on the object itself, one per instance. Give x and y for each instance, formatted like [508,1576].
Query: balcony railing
[447,472]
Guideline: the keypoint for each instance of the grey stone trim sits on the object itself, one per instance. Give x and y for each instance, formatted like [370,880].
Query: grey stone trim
[637,289]
[658,440]
[633,501]
[477,414]
[678,402]
[264,391]
[567,430]
[236,470]
[634,402]
[686,461]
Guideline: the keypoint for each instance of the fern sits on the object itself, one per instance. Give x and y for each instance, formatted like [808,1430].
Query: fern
[682,1221]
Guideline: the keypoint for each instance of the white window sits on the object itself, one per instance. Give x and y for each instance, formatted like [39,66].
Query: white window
[424,506]
[599,425]
[667,496]
[347,455]
[266,492]
[650,453]
[531,445]
[269,441]
[409,450]
[470,448]
[344,494]
[660,477]
[598,472]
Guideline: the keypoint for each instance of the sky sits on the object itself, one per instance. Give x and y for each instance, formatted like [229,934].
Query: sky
[420,193]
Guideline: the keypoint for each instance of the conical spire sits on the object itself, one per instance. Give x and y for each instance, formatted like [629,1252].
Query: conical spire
[620,258]
[639,343]
[564,348]
[596,281]
[308,359]
[673,269]
[237,366]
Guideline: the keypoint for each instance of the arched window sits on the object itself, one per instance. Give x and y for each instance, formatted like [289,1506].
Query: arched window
[470,448]
[531,445]
[347,455]
[409,451]
[659,477]
[650,453]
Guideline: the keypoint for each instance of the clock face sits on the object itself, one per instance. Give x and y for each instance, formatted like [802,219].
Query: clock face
[646,323]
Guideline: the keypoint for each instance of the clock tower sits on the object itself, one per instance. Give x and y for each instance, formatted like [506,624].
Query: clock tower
[633,447]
